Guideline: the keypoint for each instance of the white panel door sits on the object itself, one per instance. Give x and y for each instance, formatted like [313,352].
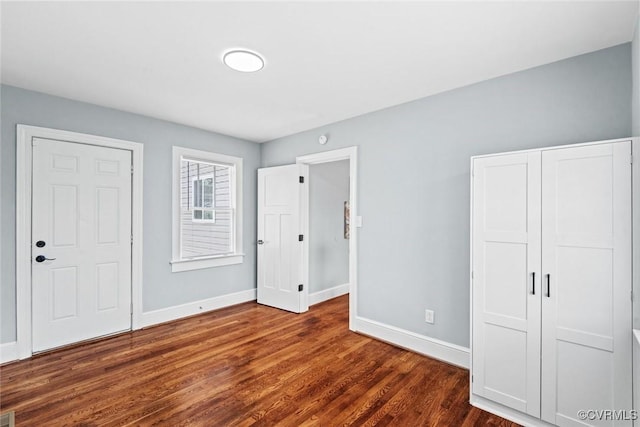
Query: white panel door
[81,224]
[279,249]
[506,280]
[586,262]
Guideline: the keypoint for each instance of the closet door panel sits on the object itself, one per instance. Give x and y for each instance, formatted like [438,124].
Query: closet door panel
[506,253]
[586,262]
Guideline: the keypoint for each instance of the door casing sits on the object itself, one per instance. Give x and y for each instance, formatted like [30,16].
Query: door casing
[24,159]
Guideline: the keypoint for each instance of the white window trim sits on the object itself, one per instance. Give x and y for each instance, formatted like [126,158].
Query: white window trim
[237,257]
[193,197]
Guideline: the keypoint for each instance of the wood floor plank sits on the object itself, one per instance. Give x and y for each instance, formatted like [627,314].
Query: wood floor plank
[246,365]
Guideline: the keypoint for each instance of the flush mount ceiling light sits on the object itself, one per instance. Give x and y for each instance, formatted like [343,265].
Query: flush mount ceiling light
[243,60]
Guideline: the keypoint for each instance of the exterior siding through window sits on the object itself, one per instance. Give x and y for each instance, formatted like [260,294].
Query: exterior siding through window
[206,238]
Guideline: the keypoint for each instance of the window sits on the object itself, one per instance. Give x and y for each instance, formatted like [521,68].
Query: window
[202,192]
[207,213]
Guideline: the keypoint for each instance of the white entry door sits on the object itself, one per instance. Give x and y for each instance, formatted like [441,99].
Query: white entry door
[280,247]
[81,248]
[586,300]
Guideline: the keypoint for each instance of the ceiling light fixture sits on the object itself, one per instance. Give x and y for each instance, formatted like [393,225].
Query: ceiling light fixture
[243,60]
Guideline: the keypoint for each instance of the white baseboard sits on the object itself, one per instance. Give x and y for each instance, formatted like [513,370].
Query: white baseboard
[168,314]
[441,350]
[327,294]
[8,352]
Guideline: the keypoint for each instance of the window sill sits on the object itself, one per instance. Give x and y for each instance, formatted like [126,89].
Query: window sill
[199,263]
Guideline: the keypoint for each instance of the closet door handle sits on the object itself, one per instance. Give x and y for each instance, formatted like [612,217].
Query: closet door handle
[533,283]
[548,286]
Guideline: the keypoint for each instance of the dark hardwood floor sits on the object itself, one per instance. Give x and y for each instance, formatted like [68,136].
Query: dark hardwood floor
[240,366]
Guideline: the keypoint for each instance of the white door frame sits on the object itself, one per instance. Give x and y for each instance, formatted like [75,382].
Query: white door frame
[351,154]
[24,161]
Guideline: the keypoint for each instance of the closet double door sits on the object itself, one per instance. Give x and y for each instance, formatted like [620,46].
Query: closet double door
[551,281]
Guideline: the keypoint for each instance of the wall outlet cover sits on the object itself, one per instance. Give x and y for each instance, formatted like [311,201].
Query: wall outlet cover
[429,316]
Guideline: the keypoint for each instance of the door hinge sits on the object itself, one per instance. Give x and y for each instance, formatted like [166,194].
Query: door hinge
[300,288]
[471,378]
[131,309]
[471,275]
[301,180]
[132,240]
[631,159]
[131,169]
[300,237]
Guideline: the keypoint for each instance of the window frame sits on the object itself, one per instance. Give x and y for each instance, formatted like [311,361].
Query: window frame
[237,256]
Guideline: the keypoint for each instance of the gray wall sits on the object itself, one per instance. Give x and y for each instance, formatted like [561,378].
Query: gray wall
[414,175]
[328,249]
[161,288]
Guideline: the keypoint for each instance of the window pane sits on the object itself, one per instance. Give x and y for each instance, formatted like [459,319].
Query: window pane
[223,187]
[197,193]
[186,191]
[207,222]
[207,192]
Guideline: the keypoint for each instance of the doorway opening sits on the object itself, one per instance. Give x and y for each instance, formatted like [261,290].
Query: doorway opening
[329,230]
[325,251]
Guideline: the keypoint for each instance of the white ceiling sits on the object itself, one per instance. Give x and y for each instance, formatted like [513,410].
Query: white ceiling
[325,61]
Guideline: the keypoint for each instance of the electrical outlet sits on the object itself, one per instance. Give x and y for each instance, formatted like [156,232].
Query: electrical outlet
[429,316]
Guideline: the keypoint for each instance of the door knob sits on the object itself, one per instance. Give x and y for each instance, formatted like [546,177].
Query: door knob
[261,242]
[42,258]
